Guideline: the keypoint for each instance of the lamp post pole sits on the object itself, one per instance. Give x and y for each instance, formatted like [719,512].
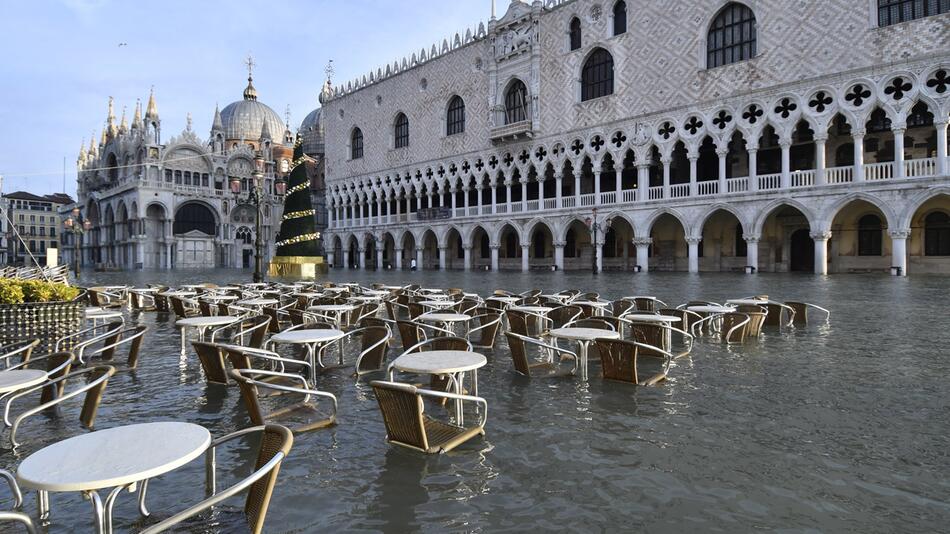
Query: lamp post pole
[255,197]
[78,227]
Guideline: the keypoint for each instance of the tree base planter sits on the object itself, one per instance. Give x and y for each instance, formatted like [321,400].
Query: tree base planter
[46,321]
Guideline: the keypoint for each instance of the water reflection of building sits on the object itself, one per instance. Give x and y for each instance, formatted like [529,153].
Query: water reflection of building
[157,203]
[700,136]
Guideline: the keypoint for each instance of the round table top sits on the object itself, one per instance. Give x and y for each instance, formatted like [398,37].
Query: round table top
[259,302]
[431,290]
[747,302]
[392,288]
[219,297]
[438,296]
[584,333]
[376,293]
[439,362]
[333,307]
[20,378]
[309,295]
[225,288]
[216,320]
[178,294]
[539,310]
[100,313]
[437,303]
[557,296]
[145,290]
[113,457]
[444,317]
[651,318]
[336,289]
[506,300]
[255,284]
[365,298]
[640,297]
[308,336]
[711,309]
[592,303]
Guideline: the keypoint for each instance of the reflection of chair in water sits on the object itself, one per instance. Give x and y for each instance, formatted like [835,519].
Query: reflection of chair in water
[408,425]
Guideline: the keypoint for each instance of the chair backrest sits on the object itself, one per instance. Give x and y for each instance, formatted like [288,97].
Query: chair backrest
[519,353]
[90,406]
[757,315]
[801,312]
[297,317]
[211,357]
[644,304]
[686,317]
[22,349]
[223,308]
[620,307]
[373,347]
[448,343]
[249,394]
[649,334]
[618,359]
[402,410]
[488,326]
[257,326]
[593,322]
[774,316]
[415,310]
[590,296]
[178,306]
[374,321]
[562,315]
[731,331]
[274,325]
[207,309]
[275,439]
[409,333]
[58,365]
[517,322]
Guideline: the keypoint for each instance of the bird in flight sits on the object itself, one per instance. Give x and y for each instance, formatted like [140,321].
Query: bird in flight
[123,44]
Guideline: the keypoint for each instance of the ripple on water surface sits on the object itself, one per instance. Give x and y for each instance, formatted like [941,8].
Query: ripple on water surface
[828,427]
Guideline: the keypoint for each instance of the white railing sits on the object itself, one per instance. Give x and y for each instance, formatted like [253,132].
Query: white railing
[770,181]
[629,195]
[679,191]
[610,197]
[460,212]
[587,200]
[517,207]
[568,202]
[920,167]
[803,178]
[839,175]
[737,185]
[473,210]
[501,208]
[706,188]
[874,172]
[655,193]
[550,203]
[533,205]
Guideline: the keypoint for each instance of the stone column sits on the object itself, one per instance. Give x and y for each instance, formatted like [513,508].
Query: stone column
[524,193]
[346,259]
[753,168]
[898,152]
[858,137]
[331,258]
[508,193]
[443,252]
[598,254]
[465,200]
[723,153]
[559,255]
[820,160]
[558,178]
[362,258]
[577,188]
[478,196]
[452,192]
[419,258]
[643,182]
[693,243]
[941,147]
[494,197]
[899,251]
[618,187]
[642,245]
[597,187]
[494,257]
[786,145]
[752,252]
[525,258]
[693,158]
[398,260]
[666,161]
[379,256]
[467,249]
[821,251]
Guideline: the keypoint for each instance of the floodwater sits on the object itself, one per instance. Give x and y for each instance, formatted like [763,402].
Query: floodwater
[829,427]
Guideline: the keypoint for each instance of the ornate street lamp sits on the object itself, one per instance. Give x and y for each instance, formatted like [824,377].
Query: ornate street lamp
[255,197]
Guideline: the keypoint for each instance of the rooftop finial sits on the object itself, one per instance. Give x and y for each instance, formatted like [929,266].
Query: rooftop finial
[493,9]
[151,109]
[188,122]
[287,116]
[327,90]
[250,93]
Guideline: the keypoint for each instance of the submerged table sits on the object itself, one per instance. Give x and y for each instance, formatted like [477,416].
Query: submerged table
[119,458]
[583,337]
[656,318]
[337,311]
[451,363]
[20,379]
[312,339]
[202,324]
[449,319]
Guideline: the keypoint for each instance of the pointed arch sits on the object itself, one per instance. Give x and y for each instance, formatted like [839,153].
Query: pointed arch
[769,208]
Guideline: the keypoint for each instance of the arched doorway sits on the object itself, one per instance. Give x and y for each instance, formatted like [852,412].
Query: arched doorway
[481,249]
[408,250]
[929,245]
[723,248]
[353,258]
[509,256]
[430,251]
[778,251]
[195,228]
[542,246]
[802,252]
[455,252]
[669,251]
[619,252]
[338,252]
[860,239]
[578,253]
[156,254]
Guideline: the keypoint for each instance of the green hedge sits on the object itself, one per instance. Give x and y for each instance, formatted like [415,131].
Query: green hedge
[14,291]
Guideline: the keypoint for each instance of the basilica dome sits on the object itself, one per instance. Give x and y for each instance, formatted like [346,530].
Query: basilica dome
[245,119]
[311,130]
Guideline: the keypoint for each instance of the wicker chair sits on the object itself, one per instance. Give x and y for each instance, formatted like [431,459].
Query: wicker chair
[374,345]
[776,314]
[211,356]
[251,358]
[599,323]
[408,425]
[275,444]
[620,360]
[687,318]
[133,337]
[735,327]
[21,349]
[104,299]
[415,310]
[485,334]
[97,379]
[646,304]
[757,315]
[563,315]
[518,345]
[801,312]
[619,308]
[88,337]
[249,380]
[142,301]
[183,308]
[279,320]
[250,332]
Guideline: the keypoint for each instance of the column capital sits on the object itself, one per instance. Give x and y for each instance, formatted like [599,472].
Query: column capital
[823,235]
[899,233]
[494,247]
[751,238]
[642,241]
[722,152]
[821,137]
[559,244]
[643,165]
[693,239]
[467,246]
[898,130]
[525,245]
[419,249]
[398,250]
[666,160]
[858,132]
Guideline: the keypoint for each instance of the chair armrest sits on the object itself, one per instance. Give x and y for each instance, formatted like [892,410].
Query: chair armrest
[458,396]
[14,488]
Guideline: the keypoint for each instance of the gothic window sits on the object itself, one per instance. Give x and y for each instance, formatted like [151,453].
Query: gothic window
[742,247]
[897,11]
[356,144]
[168,175]
[187,178]
[597,78]
[732,36]
[575,33]
[620,17]
[455,119]
[937,234]
[204,179]
[516,102]
[178,177]
[869,236]
[401,130]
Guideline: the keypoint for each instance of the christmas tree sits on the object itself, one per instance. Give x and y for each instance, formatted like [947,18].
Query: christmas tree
[298,234]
